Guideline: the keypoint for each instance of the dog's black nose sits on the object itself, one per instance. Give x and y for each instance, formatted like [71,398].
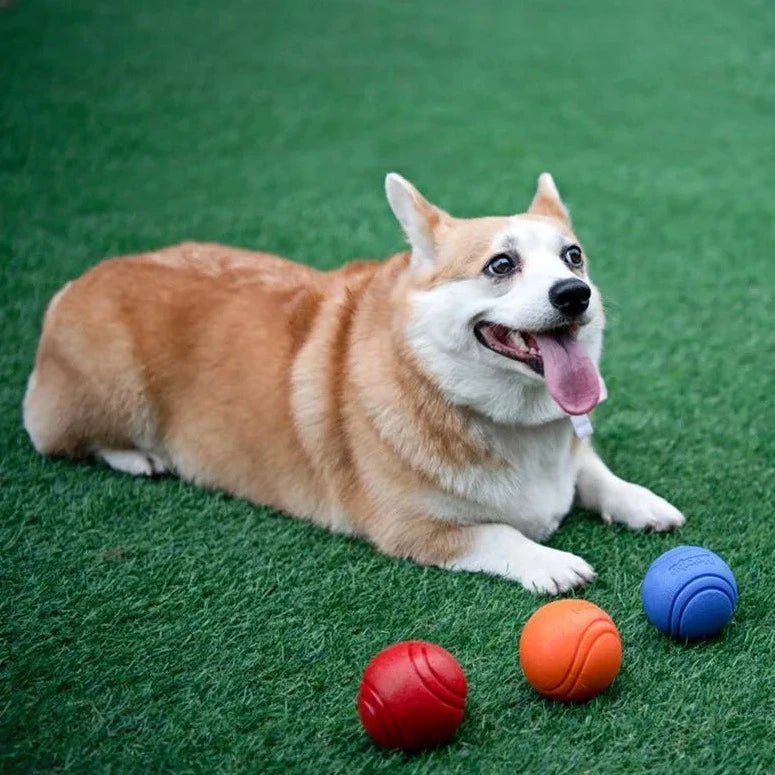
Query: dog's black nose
[570,296]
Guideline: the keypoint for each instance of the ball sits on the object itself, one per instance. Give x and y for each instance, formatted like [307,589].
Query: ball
[412,696]
[689,593]
[570,650]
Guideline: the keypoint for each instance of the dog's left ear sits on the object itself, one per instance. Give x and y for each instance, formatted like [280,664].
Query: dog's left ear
[421,221]
[547,200]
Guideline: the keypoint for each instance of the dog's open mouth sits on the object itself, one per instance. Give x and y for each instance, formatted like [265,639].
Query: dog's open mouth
[557,355]
[517,345]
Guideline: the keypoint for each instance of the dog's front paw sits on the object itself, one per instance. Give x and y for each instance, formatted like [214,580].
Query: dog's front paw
[504,551]
[640,509]
[552,572]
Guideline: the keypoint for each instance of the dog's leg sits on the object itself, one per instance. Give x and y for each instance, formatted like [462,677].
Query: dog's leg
[132,461]
[504,551]
[497,549]
[630,504]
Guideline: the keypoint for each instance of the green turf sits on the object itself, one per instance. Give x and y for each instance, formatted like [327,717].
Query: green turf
[148,626]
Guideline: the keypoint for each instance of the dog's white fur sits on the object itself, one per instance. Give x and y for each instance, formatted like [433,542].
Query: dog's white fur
[526,502]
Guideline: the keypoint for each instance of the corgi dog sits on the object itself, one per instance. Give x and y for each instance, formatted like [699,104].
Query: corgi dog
[425,403]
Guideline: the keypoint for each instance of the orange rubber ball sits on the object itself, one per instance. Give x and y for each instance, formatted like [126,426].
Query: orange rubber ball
[570,650]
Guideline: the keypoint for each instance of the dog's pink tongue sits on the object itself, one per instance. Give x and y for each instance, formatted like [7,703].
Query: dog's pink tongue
[571,377]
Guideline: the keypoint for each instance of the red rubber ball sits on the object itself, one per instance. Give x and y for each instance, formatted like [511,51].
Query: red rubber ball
[412,696]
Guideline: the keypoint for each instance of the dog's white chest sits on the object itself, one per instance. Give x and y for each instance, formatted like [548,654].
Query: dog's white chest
[532,489]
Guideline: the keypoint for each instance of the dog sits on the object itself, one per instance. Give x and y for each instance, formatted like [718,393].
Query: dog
[426,403]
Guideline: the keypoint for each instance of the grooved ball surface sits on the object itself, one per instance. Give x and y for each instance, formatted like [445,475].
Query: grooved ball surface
[570,650]
[689,593]
[412,696]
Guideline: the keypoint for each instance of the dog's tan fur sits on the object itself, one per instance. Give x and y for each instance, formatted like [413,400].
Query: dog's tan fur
[243,371]
[270,380]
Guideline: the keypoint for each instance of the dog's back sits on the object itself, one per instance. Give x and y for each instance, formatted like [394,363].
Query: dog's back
[179,360]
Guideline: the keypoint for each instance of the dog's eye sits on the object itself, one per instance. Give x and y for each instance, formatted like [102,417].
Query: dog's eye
[500,265]
[571,255]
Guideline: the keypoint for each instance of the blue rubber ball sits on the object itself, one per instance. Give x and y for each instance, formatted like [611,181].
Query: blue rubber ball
[689,592]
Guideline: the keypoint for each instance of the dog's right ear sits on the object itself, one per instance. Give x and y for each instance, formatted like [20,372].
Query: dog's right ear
[419,219]
[547,200]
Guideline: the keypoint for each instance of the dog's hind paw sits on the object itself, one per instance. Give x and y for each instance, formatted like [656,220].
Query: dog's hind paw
[134,462]
[640,509]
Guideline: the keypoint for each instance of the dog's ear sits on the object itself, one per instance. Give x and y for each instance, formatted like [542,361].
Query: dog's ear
[547,200]
[420,220]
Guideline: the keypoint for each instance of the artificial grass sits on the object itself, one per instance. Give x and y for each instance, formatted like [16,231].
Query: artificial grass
[150,626]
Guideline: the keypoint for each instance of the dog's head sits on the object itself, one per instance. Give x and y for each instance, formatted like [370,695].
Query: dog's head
[502,311]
